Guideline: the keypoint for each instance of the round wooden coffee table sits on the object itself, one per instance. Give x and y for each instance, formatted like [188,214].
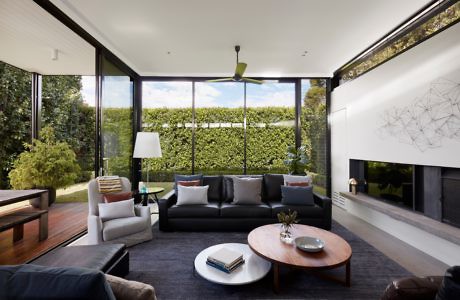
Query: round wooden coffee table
[265,242]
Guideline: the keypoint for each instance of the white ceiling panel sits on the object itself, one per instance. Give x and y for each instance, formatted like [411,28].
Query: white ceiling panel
[29,35]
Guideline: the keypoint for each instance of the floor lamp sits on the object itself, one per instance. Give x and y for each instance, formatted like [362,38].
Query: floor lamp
[147,146]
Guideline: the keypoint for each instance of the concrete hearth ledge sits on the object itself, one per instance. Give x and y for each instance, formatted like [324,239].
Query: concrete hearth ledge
[442,230]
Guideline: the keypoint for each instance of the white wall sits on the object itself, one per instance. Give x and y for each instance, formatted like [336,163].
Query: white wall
[407,110]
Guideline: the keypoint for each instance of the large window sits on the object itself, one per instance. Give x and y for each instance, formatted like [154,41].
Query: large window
[234,127]
[219,134]
[314,130]
[167,109]
[270,116]
[15,116]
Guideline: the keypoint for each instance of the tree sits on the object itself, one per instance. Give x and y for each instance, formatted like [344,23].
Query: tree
[15,116]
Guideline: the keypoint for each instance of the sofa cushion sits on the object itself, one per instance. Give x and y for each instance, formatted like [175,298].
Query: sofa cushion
[194,211]
[272,187]
[192,195]
[127,290]
[303,211]
[228,210]
[189,183]
[116,228]
[38,282]
[178,177]
[215,187]
[116,210]
[99,257]
[297,178]
[450,286]
[247,190]
[227,182]
[297,195]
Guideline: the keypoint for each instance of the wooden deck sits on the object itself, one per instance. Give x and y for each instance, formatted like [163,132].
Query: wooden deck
[65,221]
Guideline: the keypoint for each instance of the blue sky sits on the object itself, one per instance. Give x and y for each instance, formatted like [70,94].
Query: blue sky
[179,94]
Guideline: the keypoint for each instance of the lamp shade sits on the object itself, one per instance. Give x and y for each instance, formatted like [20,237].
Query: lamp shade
[147,145]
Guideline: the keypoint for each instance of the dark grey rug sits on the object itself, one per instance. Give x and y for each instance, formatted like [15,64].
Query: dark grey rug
[166,263]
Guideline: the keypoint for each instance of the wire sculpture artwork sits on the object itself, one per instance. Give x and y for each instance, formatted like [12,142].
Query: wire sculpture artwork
[428,120]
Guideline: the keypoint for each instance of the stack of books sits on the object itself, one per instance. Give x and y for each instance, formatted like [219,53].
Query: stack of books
[225,260]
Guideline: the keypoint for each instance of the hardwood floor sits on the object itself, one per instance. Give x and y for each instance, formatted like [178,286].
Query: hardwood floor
[65,221]
[412,259]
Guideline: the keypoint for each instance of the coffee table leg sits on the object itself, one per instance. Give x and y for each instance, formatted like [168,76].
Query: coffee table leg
[276,277]
[348,273]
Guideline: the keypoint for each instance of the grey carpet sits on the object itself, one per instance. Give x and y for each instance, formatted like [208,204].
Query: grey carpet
[166,263]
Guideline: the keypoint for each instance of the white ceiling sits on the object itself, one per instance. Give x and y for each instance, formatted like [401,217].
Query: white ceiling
[28,35]
[273,34]
[200,34]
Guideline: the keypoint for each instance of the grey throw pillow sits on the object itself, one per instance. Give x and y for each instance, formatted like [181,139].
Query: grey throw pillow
[247,190]
[178,177]
[297,195]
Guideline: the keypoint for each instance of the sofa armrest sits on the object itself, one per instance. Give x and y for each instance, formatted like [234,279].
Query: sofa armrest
[326,204]
[94,230]
[412,288]
[164,203]
[143,212]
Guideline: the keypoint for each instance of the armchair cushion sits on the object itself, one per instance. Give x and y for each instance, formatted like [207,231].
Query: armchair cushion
[117,228]
[116,210]
[114,197]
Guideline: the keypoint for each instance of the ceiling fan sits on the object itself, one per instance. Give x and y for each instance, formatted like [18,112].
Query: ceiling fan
[239,71]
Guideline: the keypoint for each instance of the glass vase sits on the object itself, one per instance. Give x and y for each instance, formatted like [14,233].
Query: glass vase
[285,234]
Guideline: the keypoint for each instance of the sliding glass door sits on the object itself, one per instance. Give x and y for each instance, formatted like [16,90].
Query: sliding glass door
[116,113]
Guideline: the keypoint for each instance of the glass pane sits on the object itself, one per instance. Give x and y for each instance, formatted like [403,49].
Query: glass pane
[219,138]
[68,106]
[167,109]
[117,121]
[314,130]
[270,116]
[15,116]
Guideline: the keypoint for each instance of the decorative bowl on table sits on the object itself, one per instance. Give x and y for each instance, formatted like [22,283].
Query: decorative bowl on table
[309,244]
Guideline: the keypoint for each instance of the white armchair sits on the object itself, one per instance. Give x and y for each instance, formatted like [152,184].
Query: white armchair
[128,231]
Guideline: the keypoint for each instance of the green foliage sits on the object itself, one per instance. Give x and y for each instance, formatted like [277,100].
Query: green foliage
[296,160]
[46,163]
[15,114]
[288,219]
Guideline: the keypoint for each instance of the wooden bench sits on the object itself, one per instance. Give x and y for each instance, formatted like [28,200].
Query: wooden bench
[17,218]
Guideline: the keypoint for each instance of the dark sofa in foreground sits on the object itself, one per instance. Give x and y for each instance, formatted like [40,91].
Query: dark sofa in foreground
[221,215]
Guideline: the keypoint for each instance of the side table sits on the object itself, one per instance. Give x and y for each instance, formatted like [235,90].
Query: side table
[150,191]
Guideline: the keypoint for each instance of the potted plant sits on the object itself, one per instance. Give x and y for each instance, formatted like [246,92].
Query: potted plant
[297,160]
[287,220]
[46,164]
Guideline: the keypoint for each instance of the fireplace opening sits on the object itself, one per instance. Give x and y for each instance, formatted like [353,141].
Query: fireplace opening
[390,182]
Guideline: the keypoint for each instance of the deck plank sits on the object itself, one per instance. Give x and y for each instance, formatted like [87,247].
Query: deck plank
[65,221]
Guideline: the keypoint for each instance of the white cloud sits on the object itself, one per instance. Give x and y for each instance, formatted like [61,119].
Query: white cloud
[88,89]
[167,94]
[278,99]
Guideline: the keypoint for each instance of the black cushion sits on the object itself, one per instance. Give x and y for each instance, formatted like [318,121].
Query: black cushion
[450,286]
[297,195]
[99,257]
[303,211]
[246,211]
[38,282]
[272,186]
[215,187]
[194,211]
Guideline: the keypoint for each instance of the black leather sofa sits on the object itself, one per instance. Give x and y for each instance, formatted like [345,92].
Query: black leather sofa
[221,215]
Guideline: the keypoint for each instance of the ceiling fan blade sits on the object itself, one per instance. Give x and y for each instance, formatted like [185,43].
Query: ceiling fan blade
[250,80]
[240,68]
[220,79]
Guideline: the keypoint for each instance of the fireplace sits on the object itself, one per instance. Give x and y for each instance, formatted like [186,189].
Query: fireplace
[430,190]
